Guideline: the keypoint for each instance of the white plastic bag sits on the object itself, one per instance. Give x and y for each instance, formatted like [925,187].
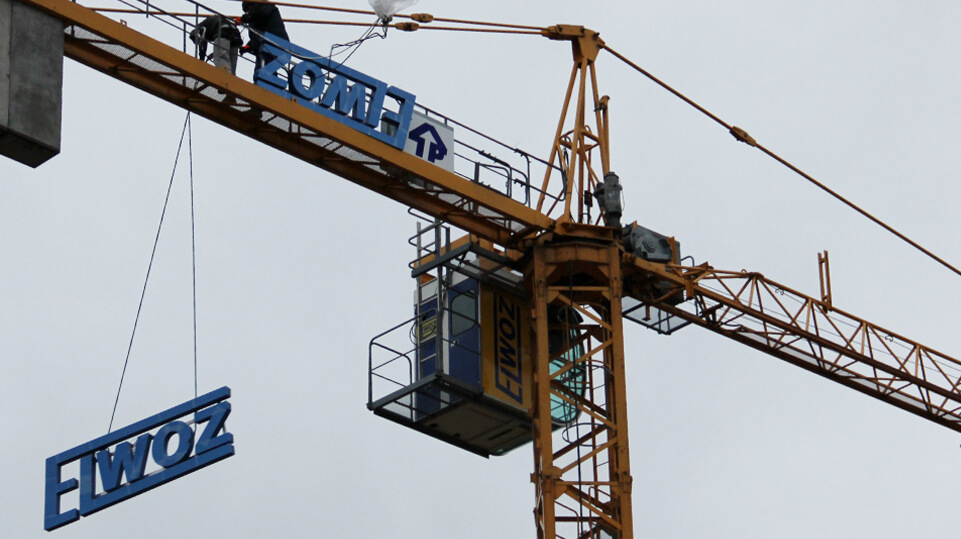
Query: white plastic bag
[385,9]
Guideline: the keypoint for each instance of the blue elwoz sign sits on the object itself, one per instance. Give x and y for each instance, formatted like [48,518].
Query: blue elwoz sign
[336,91]
[174,448]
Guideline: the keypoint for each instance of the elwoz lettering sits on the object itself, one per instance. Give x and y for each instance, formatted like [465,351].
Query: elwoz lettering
[507,348]
[338,92]
[176,449]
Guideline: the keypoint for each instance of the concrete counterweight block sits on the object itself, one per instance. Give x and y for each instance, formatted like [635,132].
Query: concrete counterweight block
[31,83]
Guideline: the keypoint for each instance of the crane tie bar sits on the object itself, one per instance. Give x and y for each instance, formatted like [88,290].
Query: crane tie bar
[743,136]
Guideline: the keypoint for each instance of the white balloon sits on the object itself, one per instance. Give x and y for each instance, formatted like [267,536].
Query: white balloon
[387,8]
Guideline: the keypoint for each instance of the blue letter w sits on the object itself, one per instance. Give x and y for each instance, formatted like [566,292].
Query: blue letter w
[346,100]
[130,463]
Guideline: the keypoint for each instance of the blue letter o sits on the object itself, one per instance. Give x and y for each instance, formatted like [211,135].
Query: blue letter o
[184,445]
[312,72]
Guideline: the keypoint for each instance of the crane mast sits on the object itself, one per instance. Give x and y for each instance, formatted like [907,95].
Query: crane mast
[580,280]
[582,479]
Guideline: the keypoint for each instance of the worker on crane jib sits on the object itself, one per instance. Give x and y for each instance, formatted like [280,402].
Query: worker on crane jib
[225,36]
[261,18]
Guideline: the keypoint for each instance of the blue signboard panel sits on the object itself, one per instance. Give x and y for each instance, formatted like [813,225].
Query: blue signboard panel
[336,91]
[176,448]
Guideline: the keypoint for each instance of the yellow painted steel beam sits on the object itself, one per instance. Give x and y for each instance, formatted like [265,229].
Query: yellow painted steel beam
[575,144]
[170,74]
[583,485]
[784,323]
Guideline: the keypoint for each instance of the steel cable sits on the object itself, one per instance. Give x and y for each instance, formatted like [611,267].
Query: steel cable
[153,254]
[399,26]
[193,242]
[742,136]
[400,16]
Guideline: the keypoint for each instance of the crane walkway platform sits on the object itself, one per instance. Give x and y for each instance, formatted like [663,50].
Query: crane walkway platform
[171,74]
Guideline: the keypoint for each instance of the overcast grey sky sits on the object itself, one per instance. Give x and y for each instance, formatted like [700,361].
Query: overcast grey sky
[298,269]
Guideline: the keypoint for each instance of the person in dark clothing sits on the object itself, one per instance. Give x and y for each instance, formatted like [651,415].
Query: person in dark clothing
[262,18]
[225,36]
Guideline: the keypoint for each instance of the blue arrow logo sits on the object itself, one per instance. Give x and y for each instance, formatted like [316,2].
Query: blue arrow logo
[436,151]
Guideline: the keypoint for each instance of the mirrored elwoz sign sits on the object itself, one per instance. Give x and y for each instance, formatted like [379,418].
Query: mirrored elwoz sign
[174,450]
[336,91]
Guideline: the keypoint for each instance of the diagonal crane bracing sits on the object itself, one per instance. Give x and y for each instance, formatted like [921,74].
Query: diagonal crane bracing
[777,320]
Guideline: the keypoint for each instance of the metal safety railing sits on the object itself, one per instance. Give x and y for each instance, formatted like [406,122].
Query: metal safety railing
[175,75]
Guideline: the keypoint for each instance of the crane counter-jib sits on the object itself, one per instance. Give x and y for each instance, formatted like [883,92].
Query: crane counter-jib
[132,57]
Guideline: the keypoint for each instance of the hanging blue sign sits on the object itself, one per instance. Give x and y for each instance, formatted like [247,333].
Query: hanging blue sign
[336,91]
[176,449]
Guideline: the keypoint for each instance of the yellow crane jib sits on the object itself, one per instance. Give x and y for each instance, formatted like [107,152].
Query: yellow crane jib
[261,114]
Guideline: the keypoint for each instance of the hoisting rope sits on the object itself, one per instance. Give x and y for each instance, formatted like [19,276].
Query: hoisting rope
[186,132]
[743,136]
[193,243]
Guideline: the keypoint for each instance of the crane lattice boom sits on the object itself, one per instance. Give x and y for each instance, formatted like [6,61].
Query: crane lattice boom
[763,314]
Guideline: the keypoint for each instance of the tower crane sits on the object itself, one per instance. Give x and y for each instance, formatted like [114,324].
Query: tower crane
[578,272]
